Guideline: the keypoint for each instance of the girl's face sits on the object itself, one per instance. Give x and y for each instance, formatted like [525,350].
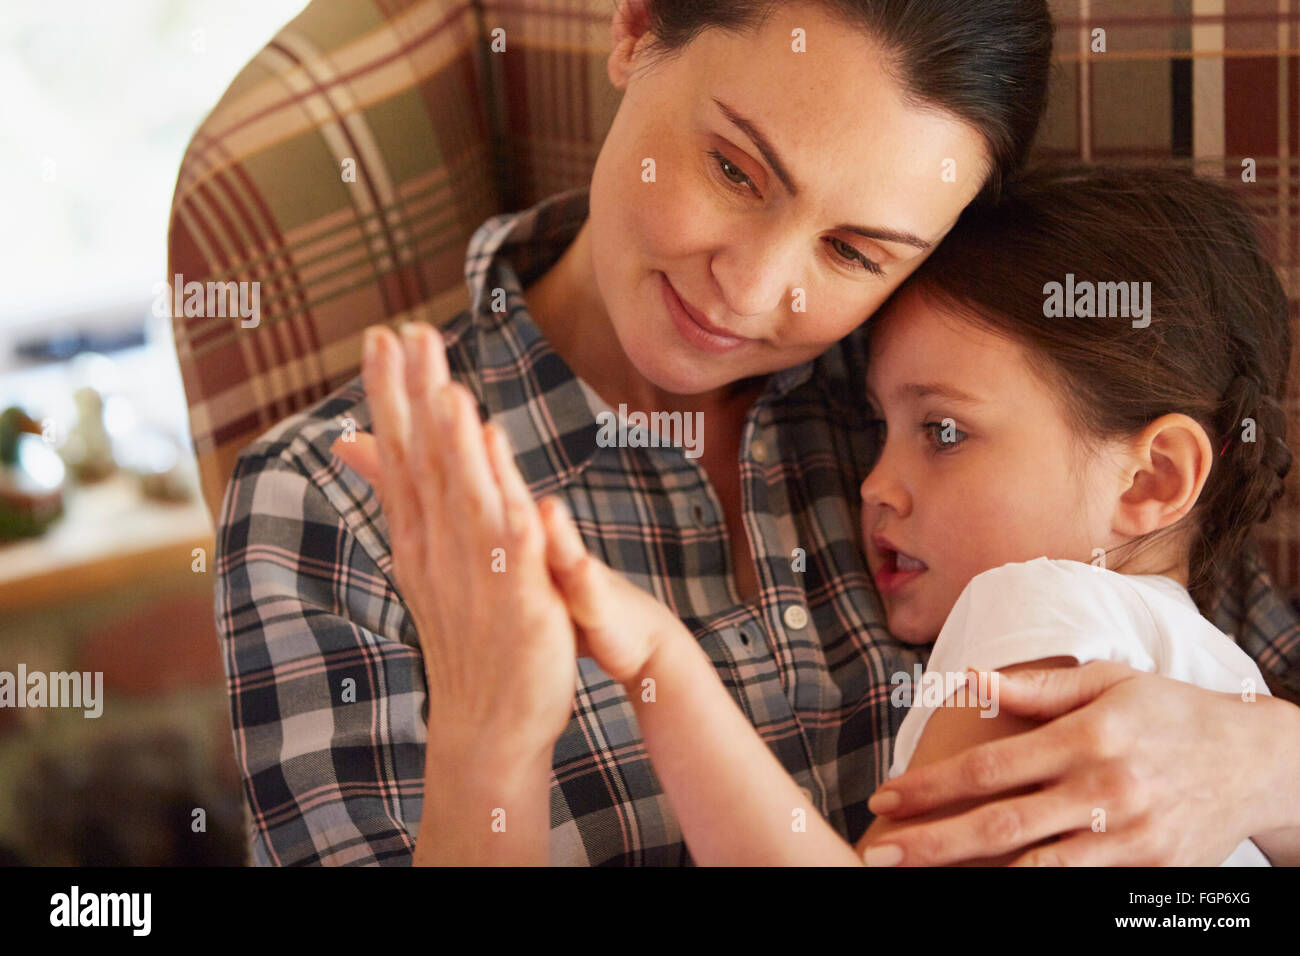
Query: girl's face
[752,204]
[979,466]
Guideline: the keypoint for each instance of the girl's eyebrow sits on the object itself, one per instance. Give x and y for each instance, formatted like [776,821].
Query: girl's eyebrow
[920,390]
[773,158]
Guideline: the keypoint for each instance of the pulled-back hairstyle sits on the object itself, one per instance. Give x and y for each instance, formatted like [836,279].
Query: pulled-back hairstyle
[1217,347]
[984,62]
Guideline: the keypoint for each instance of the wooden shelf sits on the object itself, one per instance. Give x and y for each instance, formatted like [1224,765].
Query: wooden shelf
[110,535]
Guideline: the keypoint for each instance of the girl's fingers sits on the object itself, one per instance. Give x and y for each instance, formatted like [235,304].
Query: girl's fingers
[575,571]
[612,627]
[361,454]
[566,552]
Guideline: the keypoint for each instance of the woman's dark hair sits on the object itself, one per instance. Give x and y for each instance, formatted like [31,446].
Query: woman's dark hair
[984,61]
[1217,348]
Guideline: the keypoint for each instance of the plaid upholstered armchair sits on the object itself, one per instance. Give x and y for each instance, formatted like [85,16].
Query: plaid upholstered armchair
[348,164]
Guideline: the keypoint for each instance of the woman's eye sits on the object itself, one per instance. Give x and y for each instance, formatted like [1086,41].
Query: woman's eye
[733,172]
[849,254]
[945,434]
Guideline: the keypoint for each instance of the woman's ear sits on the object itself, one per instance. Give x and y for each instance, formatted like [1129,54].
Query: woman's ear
[1166,467]
[629,30]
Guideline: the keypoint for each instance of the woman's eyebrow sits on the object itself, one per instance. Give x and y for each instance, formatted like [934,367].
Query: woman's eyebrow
[764,146]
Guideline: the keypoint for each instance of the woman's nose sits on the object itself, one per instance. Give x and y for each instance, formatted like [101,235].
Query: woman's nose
[756,272]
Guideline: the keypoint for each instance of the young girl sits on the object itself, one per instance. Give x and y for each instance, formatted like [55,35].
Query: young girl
[1078,395]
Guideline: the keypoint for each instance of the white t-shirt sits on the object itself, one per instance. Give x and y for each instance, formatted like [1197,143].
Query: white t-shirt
[1044,608]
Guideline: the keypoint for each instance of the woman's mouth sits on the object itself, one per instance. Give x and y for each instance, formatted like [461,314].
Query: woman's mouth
[897,571]
[694,327]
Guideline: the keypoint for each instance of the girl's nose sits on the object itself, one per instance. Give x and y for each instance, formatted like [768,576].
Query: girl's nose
[883,488]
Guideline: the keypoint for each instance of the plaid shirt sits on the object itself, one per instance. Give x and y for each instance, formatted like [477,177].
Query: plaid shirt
[305,596]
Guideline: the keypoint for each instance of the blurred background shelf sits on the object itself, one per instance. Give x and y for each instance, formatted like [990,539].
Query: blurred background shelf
[109,536]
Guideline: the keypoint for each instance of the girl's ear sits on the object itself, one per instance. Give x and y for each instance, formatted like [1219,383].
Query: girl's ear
[1166,468]
[629,30]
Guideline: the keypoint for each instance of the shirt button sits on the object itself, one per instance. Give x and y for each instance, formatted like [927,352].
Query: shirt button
[697,512]
[796,618]
[759,451]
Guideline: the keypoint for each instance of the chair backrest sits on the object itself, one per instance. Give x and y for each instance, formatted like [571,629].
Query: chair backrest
[350,161]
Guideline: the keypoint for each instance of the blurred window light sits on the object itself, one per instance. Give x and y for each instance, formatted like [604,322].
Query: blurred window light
[100,101]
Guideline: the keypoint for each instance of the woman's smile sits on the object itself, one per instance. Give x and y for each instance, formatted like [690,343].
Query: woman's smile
[694,326]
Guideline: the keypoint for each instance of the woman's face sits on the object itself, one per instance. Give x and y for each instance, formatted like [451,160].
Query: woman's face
[791,193]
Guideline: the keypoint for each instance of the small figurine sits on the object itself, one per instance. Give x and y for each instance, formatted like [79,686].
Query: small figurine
[31,478]
[88,451]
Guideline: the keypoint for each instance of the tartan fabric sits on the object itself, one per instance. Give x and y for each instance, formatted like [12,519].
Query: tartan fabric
[446,132]
[305,598]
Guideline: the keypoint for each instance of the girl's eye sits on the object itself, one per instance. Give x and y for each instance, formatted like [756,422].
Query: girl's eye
[945,434]
[849,254]
[732,172]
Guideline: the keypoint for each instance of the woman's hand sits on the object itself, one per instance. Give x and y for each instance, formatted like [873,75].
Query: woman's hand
[469,559]
[1132,769]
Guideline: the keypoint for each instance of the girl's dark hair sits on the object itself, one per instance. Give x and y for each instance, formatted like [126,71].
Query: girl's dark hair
[1217,348]
[984,61]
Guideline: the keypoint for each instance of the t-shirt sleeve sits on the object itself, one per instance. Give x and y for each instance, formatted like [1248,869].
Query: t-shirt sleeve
[1023,612]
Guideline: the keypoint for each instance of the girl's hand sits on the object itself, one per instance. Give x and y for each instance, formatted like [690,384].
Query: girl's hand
[620,626]
[1176,775]
[498,646]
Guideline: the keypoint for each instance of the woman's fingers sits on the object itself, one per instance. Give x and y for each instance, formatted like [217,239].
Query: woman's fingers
[1045,693]
[522,521]
[424,385]
[383,372]
[987,832]
[472,494]
[1045,753]
[452,475]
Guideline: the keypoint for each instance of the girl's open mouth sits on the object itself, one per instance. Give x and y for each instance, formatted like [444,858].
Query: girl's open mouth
[897,571]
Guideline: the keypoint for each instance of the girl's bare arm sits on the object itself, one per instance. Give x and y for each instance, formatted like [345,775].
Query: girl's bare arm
[734,801]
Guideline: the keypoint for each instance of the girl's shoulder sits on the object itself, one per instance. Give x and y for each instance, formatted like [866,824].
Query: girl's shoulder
[1088,612]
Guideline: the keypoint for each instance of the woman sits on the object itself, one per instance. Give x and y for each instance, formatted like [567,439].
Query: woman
[767,182]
